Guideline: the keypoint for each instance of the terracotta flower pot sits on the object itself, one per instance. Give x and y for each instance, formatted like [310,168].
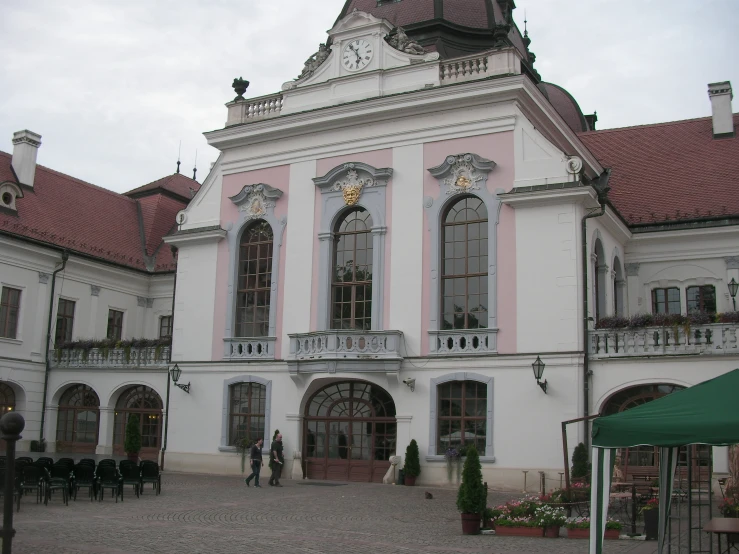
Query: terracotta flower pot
[611,534]
[551,532]
[470,524]
[519,531]
[410,480]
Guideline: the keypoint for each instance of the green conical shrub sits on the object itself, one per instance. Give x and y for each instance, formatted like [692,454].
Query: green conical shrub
[471,496]
[133,435]
[412,466]
[579,462]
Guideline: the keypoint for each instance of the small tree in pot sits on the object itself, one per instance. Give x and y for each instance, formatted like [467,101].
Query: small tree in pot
[412,468]
[471,496]
[132,445]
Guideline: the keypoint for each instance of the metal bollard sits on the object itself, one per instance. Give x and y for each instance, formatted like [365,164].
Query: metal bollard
[11,425]
[542,482]
[524,479]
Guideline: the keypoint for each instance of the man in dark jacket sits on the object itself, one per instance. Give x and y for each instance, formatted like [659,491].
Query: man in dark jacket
[255,457]
[276,459]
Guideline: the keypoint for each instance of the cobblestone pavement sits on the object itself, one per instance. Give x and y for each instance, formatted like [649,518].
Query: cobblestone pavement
[217,514]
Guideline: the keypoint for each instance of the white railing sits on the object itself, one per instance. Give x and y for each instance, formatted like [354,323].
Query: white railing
[475,66]
[346,344]
[468,341]
[718,338]
[261,348]
[242,111]
[502,61]
[153,356]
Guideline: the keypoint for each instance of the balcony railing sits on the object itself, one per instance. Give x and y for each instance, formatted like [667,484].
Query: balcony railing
[253,109]
[469,341]
[340,350]
[261,348]
[715,339]
[145,356]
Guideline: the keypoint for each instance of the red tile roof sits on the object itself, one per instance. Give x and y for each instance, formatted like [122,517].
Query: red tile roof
[69,213]
[176,183]
[669,171]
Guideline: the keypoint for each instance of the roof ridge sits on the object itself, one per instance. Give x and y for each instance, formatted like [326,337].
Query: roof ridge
[660,124]
[77,180]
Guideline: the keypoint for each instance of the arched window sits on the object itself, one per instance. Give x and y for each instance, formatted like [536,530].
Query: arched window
[77,423]
[248,402]
[351,282]
[254,281]
[462,415]
[7,399]
[599,280]
[619,286]
[147,404]
[464,287]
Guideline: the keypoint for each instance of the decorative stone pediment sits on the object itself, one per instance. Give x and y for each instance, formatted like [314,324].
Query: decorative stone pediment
[255,201]
[462,173]
[351,179]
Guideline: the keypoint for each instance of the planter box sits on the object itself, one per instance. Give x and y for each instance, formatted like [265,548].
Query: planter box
[611,534]
[519,531]
[551,532]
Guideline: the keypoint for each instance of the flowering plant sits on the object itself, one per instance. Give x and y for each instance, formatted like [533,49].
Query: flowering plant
[584,523]
[516,522]
[652,504]
[451,454]
[550,516]
[729,507]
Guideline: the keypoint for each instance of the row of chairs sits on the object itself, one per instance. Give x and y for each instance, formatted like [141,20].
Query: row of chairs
[44,477]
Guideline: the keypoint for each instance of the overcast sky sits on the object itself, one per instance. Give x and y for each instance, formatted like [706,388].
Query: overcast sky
[114,86]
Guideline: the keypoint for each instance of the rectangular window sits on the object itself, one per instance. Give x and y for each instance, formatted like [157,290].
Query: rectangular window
[10,305]
[462,415]
[701,299]
[115,325]
[64,321]
[666,301]
[165,326]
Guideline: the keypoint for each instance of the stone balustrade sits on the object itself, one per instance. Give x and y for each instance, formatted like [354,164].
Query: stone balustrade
[505,61]
[147,356]
[261,348]
[243,111]
[345,350]
[714,339]
[467,341]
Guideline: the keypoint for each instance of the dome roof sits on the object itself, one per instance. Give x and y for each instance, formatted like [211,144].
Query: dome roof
[451,27]
[566,106]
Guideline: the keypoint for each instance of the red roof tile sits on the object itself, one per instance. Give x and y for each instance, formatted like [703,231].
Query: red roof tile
[669,171]
[70,213]
[176,183]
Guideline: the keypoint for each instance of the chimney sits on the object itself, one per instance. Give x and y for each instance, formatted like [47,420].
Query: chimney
[592,119]
[723,120]
[25,149]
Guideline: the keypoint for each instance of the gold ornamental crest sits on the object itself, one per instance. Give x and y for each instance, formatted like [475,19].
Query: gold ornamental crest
[463,182]
[351,187]
[351,194]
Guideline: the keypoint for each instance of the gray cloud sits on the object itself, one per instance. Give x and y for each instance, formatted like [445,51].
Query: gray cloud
[114,86]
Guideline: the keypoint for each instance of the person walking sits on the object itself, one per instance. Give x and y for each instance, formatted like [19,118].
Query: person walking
[276,460]
[256,463]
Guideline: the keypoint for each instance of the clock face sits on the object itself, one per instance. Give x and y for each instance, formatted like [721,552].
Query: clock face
[356,55]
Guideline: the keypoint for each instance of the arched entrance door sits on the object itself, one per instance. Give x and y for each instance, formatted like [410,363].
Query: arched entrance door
[145,403]
[349,432]
[77,422]
[643,461]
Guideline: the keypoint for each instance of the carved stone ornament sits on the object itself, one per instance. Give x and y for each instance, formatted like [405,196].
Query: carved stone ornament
[400,41]
[315,61]
[462,173]
[351,186]
[254,200]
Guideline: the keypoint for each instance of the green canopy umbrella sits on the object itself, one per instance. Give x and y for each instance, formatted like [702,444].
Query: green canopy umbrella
[703,414]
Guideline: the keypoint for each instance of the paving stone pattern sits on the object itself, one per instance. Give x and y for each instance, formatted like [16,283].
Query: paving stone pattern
[217,514]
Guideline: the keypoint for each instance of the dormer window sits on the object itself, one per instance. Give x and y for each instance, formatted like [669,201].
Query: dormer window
[8,193]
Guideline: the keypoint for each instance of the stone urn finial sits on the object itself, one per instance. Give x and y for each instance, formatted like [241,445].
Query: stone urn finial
[240,85]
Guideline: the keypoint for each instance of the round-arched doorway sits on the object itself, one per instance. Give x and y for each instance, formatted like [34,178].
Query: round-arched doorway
[145,403]
[7,398]
[349,432]
[643,461]
[77,420]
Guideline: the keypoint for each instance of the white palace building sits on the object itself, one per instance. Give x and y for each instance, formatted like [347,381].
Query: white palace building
[380,253]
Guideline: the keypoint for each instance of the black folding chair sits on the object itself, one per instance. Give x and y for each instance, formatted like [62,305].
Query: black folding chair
[45,461]
[16,488]
[130,475]
[24,459]
[150,474]
[58,479]
[32,478]
[108,478]
[84,478]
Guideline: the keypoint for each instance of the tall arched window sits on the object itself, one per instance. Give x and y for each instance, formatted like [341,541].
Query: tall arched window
[147,404]
[7,399]
[247,409]
[254,281]
[351,282]
[464,286]
[77,423]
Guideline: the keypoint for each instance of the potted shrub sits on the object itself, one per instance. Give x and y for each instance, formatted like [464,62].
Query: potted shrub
[580,465]
[132,444]
[579,528]
[412,466]
[651,519]
[471,496]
